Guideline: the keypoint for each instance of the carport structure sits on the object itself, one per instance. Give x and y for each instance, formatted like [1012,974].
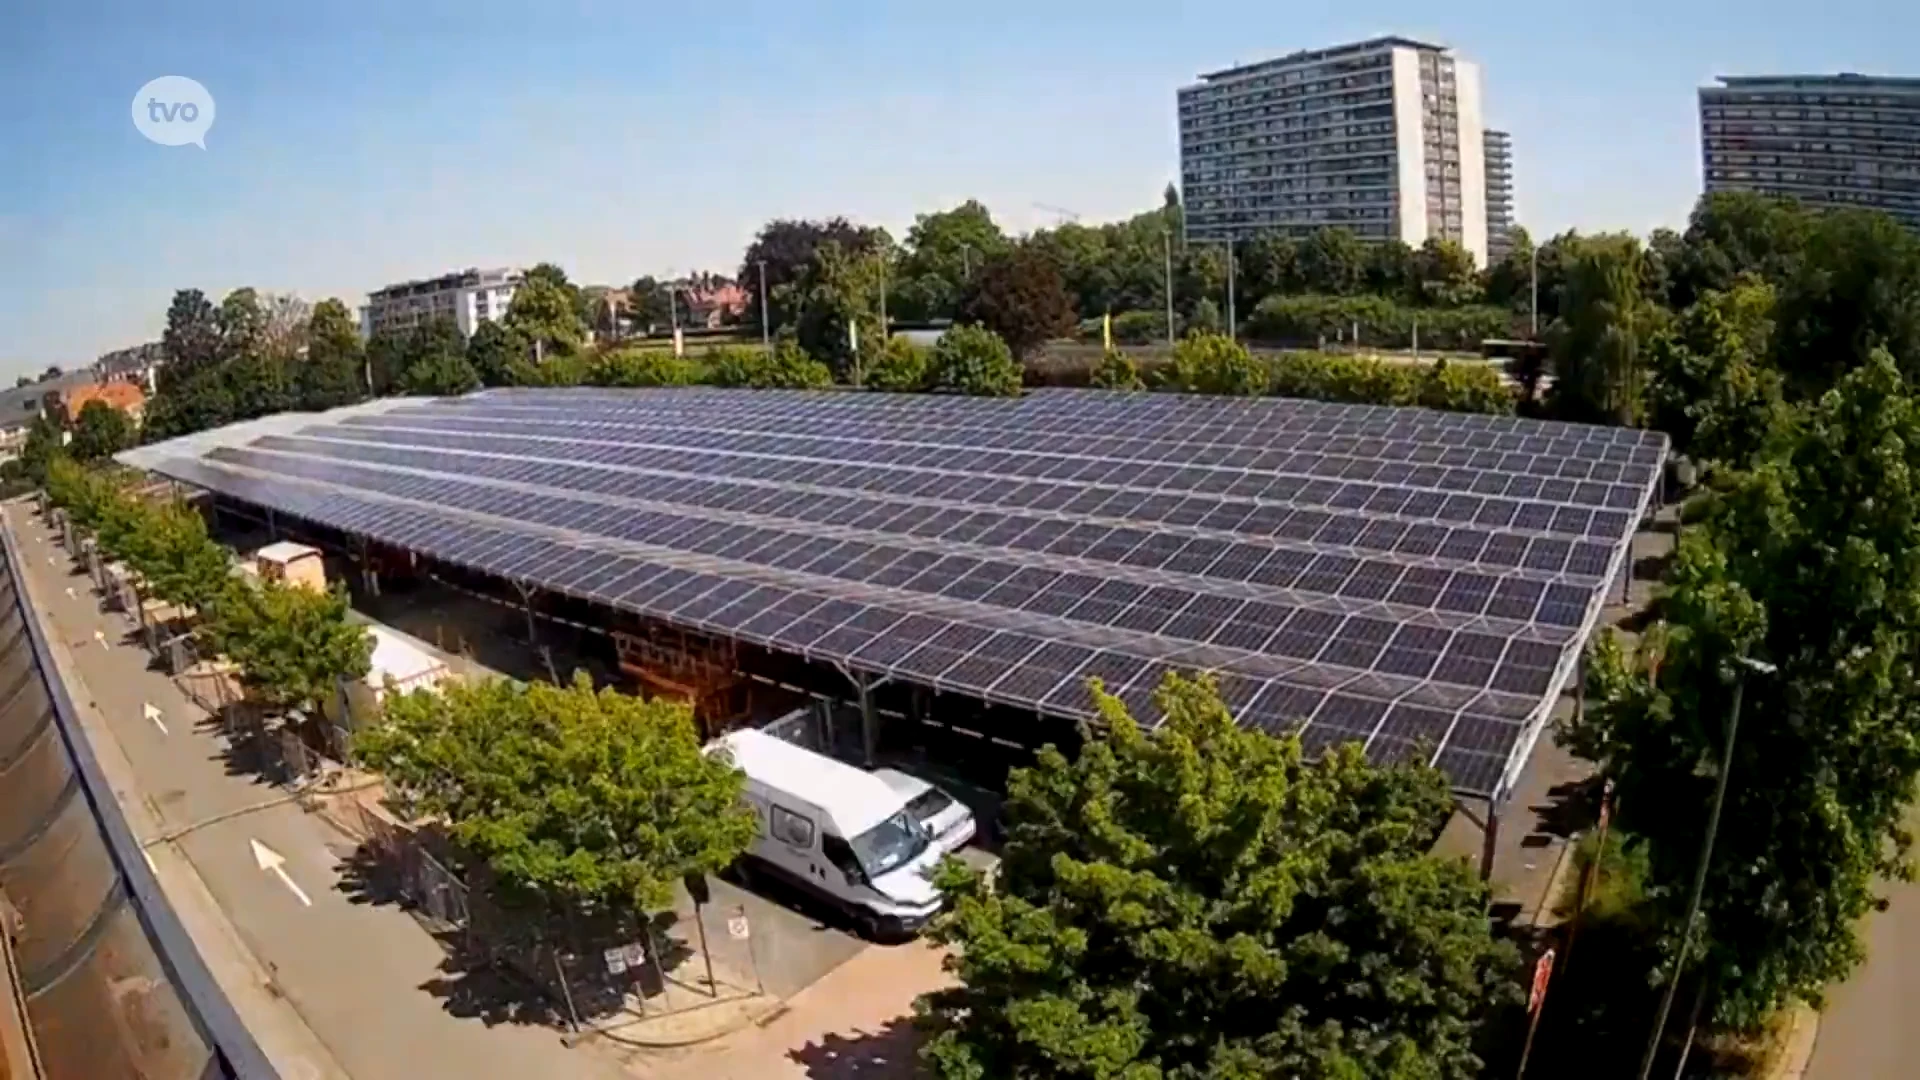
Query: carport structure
[1420,582]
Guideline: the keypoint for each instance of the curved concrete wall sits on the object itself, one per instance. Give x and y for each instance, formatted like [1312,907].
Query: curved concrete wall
[113,986]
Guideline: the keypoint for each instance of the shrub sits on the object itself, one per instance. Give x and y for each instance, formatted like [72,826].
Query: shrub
[1117,371]
[641,367]
[973,360]
[1455,387]
[899,368]
[1213,364]
[1381,322]
[787,367]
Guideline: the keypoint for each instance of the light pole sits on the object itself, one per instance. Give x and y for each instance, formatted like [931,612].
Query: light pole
[1233,330]
[1533,273]
[1706,857]
[966,262]
[766,337]
[1166,239]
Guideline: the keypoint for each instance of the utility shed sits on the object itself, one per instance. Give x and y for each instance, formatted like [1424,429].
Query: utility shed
[294,564]
[395,659]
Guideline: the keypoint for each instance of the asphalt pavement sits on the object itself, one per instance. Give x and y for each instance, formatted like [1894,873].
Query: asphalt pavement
[1869,1029]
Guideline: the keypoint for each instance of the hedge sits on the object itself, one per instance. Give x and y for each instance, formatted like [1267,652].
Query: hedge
[1454,387]
[1382,323]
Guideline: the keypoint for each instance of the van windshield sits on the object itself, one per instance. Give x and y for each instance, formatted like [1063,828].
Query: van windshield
[889,845]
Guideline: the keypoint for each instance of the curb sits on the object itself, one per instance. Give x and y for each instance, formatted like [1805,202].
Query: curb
[1797,1055]
[760,1017]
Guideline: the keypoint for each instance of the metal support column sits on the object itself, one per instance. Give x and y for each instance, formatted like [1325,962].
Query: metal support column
[869,723]
[1490,838]
[526,607]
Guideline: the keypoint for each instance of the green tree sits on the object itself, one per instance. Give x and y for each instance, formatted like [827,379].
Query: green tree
[1205,901]
[100,431]
[1712,388]
[1332,261]
[1269,265]
[1215,364]
[334,371]
[1596,342]
[41,446]
[1394,270]
[496,351]
[441,374]
[788,248]
[545,313]
[1732,233]
[596,797]
[647,304]
[192,393]
[836,293]
[177,561]
[1446,274]
[1019,296]
[943,252]
[1509,282]
[973,360]
[1811,562]
[1854,288]
[292,644]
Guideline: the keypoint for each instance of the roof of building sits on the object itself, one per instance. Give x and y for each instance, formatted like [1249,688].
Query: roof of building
[1306,56]
[20,404]
[1836,81]
[855,800]
[1419,581]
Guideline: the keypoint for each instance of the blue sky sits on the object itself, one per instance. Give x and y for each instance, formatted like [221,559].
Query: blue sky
[362,143]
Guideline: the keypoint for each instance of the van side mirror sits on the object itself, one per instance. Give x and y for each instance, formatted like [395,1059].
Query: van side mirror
[854,877]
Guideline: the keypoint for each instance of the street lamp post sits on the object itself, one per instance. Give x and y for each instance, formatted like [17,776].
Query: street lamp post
[966,262]
[1533,273]
[1166,239]
[766,337]
[1706,858]
[1233,328]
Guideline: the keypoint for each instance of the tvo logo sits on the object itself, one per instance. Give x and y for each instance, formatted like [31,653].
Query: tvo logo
[174,110]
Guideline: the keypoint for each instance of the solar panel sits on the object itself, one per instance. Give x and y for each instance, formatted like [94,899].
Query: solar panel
[1414,580]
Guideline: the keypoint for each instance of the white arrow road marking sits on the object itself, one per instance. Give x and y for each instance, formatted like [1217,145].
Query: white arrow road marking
[276,864]
[52,561]
[101,638]
[152,713]
[69,592]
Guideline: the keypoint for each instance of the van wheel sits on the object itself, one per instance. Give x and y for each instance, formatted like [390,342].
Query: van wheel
[868,924]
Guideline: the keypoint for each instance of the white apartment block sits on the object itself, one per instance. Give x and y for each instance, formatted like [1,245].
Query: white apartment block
[468,297]
[1827,140]
[1380,137]
[1499,157]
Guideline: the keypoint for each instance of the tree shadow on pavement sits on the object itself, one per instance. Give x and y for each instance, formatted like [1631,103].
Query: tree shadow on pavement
[891,1053]
[472,987]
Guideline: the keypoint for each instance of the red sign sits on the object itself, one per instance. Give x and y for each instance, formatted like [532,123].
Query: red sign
[1542,971]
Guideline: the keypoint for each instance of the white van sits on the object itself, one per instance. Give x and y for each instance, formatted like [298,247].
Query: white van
[839,832]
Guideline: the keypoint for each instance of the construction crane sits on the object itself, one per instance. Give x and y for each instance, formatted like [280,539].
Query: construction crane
[1062,212]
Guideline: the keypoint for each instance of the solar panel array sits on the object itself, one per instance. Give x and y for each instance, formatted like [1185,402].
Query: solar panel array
[1405,578]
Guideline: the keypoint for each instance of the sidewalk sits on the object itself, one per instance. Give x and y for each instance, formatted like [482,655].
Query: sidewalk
[855,1023]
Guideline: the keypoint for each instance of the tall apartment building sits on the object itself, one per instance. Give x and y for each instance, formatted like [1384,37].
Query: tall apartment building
[1381,137]
[468,297]
[1827,140]
[1499,157]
